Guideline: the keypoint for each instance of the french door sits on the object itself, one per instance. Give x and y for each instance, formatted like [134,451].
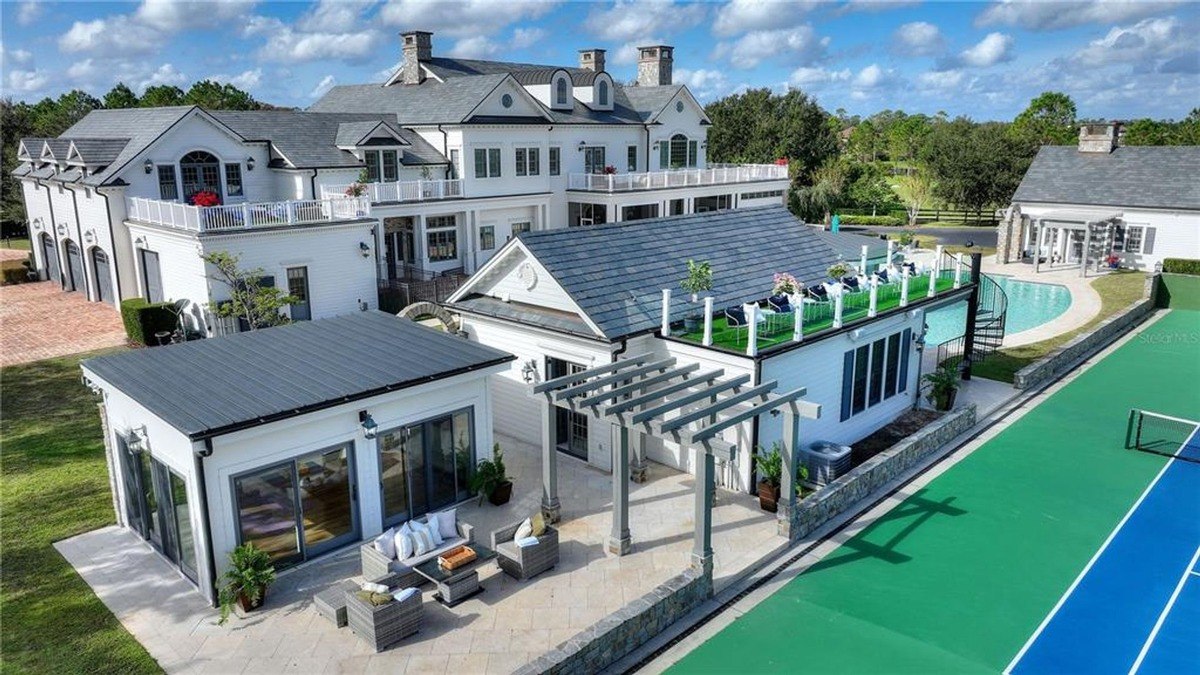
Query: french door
[157,507]
[300,508]
[571,426]
[425,466]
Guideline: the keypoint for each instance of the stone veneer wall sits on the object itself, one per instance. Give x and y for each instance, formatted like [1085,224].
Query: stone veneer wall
[1062,359]
[623,631]
[862,481]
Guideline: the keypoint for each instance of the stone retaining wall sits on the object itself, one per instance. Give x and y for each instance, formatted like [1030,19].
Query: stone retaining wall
[1065,357]
[865,479]
[623,631]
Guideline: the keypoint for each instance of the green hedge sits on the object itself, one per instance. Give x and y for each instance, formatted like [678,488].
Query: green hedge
[1181,266]
[887,221]
[143,319]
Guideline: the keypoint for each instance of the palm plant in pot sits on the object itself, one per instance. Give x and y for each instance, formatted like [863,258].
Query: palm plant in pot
[942,386]
[250,572]
[699,279]
[770,472]
[491,479]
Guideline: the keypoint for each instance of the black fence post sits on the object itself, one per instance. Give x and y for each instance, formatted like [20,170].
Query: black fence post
[972,310]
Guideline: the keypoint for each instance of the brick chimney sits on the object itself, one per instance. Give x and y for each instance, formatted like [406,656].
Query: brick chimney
[417,47]
[654,65]
[1100,138]
[592,59]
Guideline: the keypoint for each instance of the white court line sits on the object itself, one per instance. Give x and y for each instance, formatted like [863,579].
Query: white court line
[1166,610]
[1112,535]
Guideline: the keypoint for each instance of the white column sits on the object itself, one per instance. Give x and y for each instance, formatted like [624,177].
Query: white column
[862,260]
[891,251]
[708,320]
[958,267]
[937,258]
[933,271]
[837,309]
[872,309]
[797,301]
[904,287]
[665,328]
[752,329]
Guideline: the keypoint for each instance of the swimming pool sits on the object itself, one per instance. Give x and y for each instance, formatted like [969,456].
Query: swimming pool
[1029,305]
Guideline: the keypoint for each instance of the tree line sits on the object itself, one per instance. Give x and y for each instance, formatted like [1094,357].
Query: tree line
[893,161]
[50,117]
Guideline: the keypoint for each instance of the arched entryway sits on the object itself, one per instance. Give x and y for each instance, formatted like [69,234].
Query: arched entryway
[76,281]
[200,171]
[421,310]
[103,272]
[50,256]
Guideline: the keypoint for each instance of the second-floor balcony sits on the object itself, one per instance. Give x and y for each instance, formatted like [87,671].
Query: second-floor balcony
[721,174]
[250,215]
[399,191]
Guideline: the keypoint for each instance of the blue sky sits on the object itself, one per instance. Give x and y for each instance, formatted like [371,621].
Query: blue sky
[981,59]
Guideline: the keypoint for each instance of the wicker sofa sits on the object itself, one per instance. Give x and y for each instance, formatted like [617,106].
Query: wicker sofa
[529,561]
[375,565]
[384,625]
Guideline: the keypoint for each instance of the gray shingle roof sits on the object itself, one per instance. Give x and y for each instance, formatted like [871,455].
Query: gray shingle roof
[525,73]
[59,148]
[210,386]
[99,151]
[1130,176]
[141,126]
[649,101]
[616,272]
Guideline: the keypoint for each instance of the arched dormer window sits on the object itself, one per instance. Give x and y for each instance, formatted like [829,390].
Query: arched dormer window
[199,171]
[560,91]
[602,93]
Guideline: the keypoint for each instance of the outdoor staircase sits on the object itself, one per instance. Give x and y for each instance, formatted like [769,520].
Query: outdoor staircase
[990,316]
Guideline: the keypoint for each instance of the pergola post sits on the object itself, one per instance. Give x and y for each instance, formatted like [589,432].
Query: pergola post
[702,553]
[787,482]
[550,505]
[618,540]
[1087,242]
[1035,226]
[637,463]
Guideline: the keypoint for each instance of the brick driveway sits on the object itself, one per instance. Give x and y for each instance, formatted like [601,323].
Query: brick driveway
[39,321]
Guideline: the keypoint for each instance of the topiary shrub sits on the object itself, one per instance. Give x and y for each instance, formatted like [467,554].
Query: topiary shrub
[885,221]
[143,319]
[1181,266]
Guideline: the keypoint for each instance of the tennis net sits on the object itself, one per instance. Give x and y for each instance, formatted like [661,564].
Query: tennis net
[1163,435]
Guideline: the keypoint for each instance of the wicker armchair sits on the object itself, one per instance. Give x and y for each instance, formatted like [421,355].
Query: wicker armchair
[525,562]
[376,565]
[384,625]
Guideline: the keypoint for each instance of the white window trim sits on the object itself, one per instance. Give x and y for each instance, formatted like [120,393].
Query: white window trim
[487,161]
[1141,240]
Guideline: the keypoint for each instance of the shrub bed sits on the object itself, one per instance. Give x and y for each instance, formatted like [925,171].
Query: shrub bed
[1181,266]
[143,319]
[886,221]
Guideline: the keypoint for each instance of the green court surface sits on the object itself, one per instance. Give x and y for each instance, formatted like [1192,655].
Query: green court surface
[958,576]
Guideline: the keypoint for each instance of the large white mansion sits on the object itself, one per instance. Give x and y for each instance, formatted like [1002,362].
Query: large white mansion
[376,186]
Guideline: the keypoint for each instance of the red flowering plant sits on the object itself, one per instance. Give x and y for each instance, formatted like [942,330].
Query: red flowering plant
[206,198]
[610,169]
[356,190]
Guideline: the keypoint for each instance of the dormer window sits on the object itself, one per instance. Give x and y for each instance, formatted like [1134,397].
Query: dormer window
[602,93]
[560,92]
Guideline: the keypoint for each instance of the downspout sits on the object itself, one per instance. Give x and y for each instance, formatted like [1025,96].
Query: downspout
[208,540]
[112,238]
[312,181]
[646,128]
[446,151]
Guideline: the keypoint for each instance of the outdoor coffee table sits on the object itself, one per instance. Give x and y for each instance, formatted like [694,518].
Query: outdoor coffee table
[454,586]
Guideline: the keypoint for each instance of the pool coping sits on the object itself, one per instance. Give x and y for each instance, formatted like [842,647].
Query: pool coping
[1085,301]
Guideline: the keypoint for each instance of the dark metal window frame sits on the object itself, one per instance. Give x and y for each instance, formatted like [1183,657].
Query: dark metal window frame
[426,425]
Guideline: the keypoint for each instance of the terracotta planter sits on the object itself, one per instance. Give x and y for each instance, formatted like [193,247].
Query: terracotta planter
[768,496]
[502,493]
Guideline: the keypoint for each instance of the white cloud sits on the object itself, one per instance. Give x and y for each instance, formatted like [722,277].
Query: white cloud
[246,81]
[336,16]
[172,16]
[288,45]
[870,77]
[741,16]
[1041,15]
[875,5]
[474,48]
[461,18]
[83,70]
[992,49]
[164,74]
[800,45]
[705,84]
[918,38]
[26,81]
[941,79]
[323,86]
[1143,42]
[107,38]
[524,38]
[28,12]
[805,76]
[19,56]
[635,22]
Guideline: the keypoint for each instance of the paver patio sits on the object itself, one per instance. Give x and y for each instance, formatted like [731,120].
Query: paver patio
[41,321]
[507,625]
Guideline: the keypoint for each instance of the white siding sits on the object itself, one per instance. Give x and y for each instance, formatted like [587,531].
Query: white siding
[178,259]
[1176,232]
[504,281]
[37,210]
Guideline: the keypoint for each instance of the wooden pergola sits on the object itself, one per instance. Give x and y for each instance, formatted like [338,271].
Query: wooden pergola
[660,397]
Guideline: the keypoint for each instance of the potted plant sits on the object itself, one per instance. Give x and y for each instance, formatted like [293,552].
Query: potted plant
[838,270]
[205,198]
[356,190]
[785,284]
[250,572]
[697,281]
[1113,261]
[609,170]
[942,386]
[491,479]
[770,471]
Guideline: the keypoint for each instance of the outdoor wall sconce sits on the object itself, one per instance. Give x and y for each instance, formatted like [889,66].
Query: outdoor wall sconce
[89,236]
[148,166]
[140,241]
[37,223]
[365,249]
[137,441]
[582,145]
[62,229]
[368,424]
[529,372]
[919,341]
[249,163]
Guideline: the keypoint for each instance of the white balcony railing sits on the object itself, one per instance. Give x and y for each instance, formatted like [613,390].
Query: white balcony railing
[401,191]
[655,180]
[231,217]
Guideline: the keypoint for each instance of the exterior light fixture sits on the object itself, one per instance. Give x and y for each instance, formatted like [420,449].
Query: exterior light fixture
[148,166]
[250,163]
[89,236]
[529,372]
[919,341]
[140,241]
[365,249]
[62,229]
[582,145]
[368,424]
[136,441]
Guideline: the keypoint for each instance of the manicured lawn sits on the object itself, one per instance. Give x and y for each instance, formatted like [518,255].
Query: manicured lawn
[1117,291]
[18,244]
[55,485]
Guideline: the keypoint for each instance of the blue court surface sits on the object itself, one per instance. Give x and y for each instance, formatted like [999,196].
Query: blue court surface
[1135,608]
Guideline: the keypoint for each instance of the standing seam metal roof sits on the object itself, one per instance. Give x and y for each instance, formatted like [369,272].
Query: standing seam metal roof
[205,387]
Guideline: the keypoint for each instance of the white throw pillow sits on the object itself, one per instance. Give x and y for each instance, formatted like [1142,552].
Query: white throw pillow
[431,526]
[421,539]
[526,542]
[374,588]
[404,543]
[524,530]
[386,544]
[447,523]
[405,593]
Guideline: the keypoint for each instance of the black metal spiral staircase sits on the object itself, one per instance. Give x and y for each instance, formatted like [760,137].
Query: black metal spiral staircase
[986,330]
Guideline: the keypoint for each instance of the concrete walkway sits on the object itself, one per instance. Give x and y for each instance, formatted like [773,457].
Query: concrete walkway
[41,321]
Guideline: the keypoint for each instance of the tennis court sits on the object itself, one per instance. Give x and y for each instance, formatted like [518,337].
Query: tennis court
[1050,548]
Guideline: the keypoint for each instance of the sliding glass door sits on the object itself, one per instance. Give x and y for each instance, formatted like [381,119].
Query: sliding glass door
[298,509]
[157,507]
[425,466]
